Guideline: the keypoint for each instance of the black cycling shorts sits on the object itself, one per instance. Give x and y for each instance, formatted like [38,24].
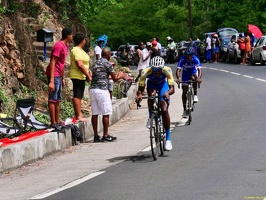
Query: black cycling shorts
[78,88]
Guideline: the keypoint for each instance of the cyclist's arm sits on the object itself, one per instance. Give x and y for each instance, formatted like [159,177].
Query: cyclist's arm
[178,74]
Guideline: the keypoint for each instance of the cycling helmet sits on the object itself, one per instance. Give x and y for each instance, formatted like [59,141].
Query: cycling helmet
[169,38]
[190,51]
[157,62]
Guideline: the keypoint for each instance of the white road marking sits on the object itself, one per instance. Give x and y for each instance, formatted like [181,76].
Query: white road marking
[222,70]
[67,186]
[214,68]
[235,73]
[248,76]
[259,79]
[148,148]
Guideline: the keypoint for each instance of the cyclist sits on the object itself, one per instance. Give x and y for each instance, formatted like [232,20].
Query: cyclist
[159,79]
[190,66]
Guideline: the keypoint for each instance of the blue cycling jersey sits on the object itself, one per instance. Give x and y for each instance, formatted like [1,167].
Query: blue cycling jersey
[188,68]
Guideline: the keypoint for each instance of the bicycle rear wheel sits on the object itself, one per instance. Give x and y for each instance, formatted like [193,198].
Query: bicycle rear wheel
[154,139]
[189,106]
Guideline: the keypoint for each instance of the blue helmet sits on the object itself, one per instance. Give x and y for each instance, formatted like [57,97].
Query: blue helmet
[190,51]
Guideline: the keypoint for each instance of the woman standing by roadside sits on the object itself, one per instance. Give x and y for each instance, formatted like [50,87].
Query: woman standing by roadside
[241,45]
[247,47]
[79,72]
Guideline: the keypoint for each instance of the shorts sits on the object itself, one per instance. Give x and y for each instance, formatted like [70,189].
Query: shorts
[55,96]
[78,88]
[215,50]
[110,85]
[100,102]
[161,88]
[187,77]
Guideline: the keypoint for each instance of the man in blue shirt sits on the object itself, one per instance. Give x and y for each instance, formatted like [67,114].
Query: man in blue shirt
[190,66]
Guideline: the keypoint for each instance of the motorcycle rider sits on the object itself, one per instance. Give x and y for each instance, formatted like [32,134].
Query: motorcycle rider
[128,53]
[171,49]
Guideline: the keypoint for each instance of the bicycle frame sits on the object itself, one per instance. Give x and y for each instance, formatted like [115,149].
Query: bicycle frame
[157,132]
[190,99]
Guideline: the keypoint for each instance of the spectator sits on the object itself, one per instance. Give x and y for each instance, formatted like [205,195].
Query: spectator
[145,58]
[247,47]
[154,49]
[216,47]
[241,45]
[99,94]
[140,59]
[79,72]
[55,74]
[98,50]
[252,39]
[159,46]
[208,49]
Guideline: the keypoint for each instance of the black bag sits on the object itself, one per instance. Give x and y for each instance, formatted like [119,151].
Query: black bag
[75,132]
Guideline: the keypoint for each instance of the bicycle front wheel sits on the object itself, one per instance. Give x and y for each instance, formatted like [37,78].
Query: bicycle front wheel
[162,136]
[154,139]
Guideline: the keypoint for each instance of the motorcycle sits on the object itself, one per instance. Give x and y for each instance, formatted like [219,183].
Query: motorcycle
[171,54]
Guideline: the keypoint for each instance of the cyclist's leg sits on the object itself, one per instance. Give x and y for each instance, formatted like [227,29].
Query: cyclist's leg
[151,91]
[184,96]
[194,77]
[165,115]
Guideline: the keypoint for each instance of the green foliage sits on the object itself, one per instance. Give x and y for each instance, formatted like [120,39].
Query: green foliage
[67,109]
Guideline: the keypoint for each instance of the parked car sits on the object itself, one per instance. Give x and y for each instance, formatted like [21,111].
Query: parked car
[233,51]
[224,47]
[123,59]
[258,54]
[226,32]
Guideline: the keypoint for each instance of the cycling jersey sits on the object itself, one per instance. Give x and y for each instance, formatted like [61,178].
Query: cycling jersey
[188,68]
[166,73]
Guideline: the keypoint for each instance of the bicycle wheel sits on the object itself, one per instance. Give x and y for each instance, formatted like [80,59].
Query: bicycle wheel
[154,139]
[124,88]
[189,106]
[120,89]
[162,135]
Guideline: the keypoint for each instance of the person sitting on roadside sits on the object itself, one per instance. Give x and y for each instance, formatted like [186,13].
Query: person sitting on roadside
[190,66]
[159,79]
[100,97]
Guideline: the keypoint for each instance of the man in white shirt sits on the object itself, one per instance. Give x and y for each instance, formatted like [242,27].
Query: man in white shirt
[98,50]
[145,57]
[208,54]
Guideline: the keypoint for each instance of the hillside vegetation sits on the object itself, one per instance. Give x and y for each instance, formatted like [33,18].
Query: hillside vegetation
[21,65]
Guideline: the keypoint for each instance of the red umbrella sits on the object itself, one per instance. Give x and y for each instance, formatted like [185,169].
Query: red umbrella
[255,30]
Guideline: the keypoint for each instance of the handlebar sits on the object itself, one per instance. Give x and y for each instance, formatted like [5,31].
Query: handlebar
[188,82]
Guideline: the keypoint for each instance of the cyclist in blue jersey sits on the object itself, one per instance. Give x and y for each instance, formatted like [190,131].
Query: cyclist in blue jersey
[159,78]
[190,66]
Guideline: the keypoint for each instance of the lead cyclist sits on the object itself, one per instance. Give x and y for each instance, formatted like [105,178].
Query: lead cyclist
[190,66]
[159,78]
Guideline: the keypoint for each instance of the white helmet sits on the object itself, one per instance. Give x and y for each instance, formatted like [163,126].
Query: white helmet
[157,62]
[169,38]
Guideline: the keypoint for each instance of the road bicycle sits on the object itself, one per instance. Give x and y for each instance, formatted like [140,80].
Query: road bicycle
[190,104]
[157,130]
[123,87]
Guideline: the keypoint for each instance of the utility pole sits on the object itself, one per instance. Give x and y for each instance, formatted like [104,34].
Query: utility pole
[190,19]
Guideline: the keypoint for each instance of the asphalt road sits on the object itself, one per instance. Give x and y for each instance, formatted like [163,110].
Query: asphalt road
[221,155]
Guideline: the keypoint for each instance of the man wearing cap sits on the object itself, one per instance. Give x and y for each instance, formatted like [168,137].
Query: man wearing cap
[154,49]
